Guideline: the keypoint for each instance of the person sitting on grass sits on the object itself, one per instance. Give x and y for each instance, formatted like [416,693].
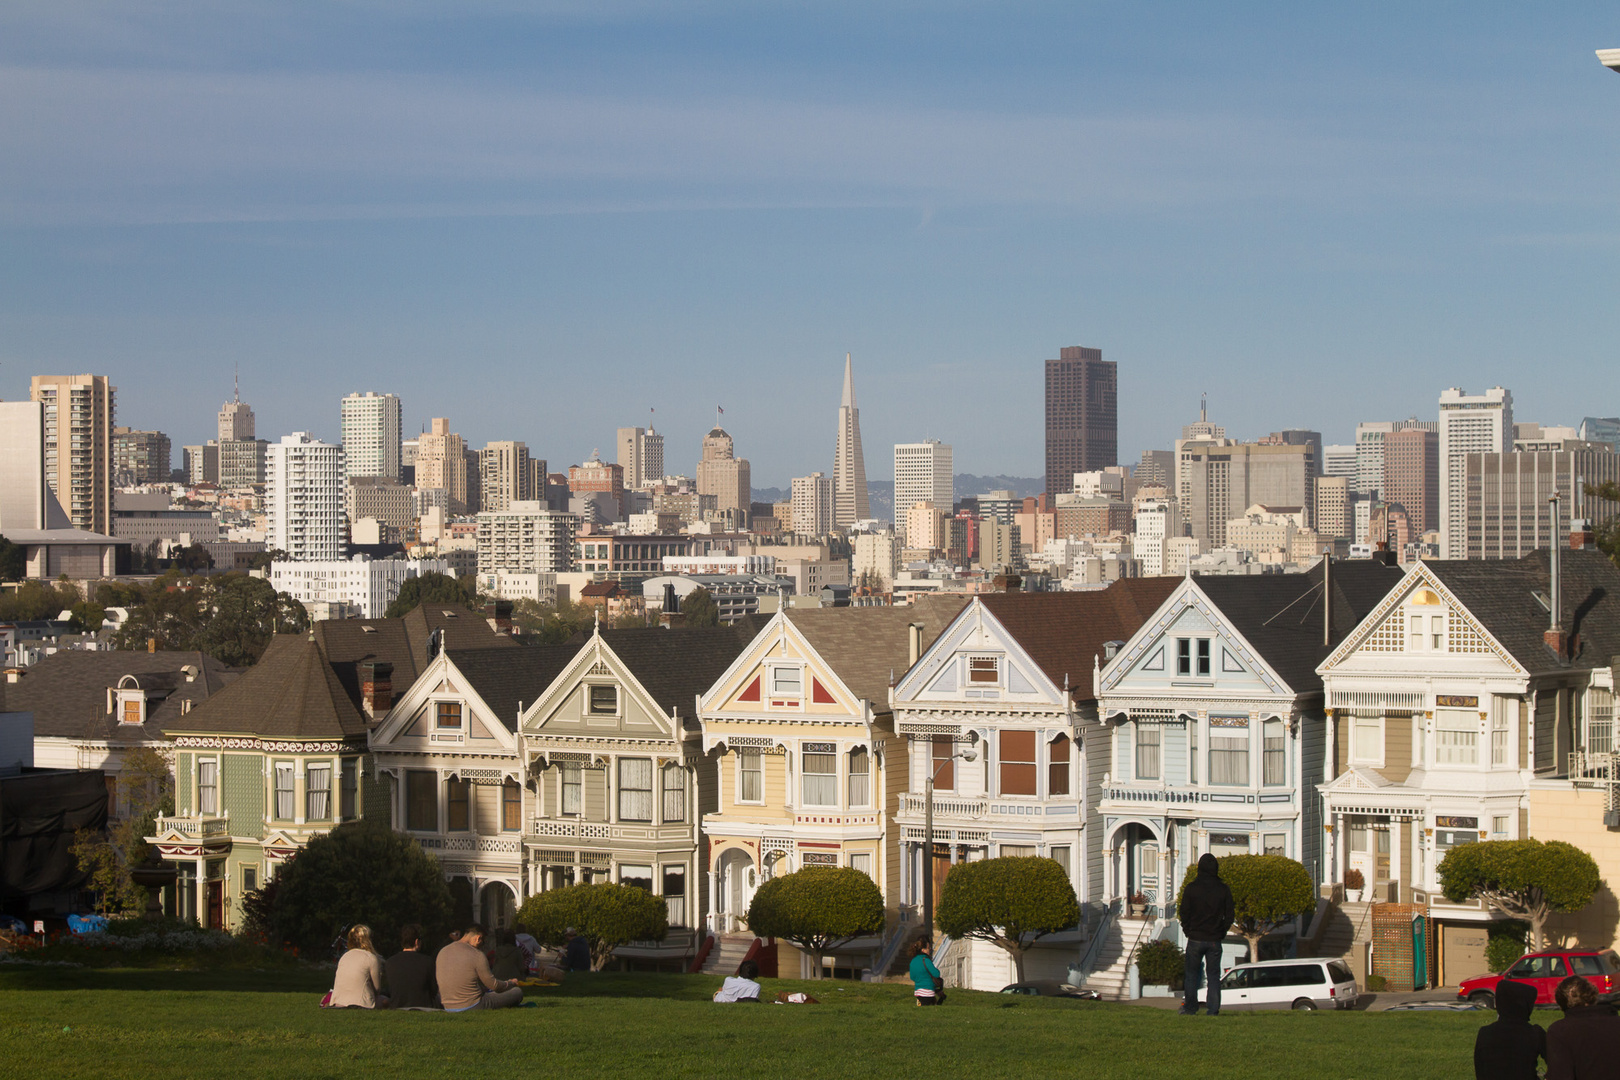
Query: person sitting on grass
[926,980]
[359,980]
[1508,1049]
[410,973]
[465,981]
[1582,1046]
[741,986]
[508,960]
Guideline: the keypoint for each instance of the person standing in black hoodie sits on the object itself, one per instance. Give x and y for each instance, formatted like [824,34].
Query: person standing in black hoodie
[1508,1049]
[1206,915]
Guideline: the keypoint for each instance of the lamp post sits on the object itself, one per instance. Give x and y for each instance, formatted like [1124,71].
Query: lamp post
[928,838]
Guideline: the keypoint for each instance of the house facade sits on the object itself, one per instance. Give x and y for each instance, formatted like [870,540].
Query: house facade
[1008,681]
[1463,710]
[810,768]
[1213,725]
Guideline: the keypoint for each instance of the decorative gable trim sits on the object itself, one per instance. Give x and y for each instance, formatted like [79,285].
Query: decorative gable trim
[1375,629]
[1188,596]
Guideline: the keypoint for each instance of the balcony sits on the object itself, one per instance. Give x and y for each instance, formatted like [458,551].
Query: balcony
[564,829]
[472,845]
[198,827]
[946,806]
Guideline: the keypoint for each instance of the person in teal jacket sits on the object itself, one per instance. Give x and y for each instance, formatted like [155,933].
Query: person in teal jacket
[925,977]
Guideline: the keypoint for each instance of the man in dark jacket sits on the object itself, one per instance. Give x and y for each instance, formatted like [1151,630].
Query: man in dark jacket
[1582,1046]
[410,974]
[1206,916]
[576,951]
[1508,1049]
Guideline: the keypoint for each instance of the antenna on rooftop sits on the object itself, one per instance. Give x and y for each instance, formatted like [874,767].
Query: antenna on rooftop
[1203,408]
[236,378]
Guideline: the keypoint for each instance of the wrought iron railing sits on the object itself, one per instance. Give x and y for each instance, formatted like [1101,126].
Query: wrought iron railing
[1105,919]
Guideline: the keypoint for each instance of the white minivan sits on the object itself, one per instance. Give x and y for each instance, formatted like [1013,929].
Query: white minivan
[1306,983]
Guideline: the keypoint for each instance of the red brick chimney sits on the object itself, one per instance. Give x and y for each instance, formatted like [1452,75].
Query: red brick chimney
[376,688]
[1581,535]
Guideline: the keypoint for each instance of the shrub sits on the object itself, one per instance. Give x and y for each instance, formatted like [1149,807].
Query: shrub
[1501,952]
[608,915]
[1161,963]
[818,909]
[1011,902]
[1376,984]
[360,872]
[1353,879]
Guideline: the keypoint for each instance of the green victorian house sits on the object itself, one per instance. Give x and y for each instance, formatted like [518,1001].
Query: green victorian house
[279,756]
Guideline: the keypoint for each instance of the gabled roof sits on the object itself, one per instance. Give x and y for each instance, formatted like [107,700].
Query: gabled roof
[291,693]
[402,642]
[1280,615]
[866,645]
[675,666]
[67,691]
[1501,595]
[1064,632]
[509,678]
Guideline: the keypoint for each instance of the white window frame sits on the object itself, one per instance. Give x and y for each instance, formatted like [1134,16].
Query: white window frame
[864,801]
[650,791]
[1462,751]
[310,791]
[1267,725]
[967,670]
[590,701]
[829,781]
[1376,724]
[279,769]
[210,805]
[668,791]
[758,770]
[794,699]
[567,787]
[1139,744]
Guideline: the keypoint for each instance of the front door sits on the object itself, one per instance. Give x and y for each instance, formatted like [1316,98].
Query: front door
[216,905]
[1147,871]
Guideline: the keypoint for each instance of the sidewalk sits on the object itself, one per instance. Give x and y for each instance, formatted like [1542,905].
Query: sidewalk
[1365,1002]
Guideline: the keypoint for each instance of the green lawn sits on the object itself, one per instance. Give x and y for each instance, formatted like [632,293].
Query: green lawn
[125,1023]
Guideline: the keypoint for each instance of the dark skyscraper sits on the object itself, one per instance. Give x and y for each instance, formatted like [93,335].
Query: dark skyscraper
[1082,416]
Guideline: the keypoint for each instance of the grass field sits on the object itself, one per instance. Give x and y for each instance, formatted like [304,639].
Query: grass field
[64,1022]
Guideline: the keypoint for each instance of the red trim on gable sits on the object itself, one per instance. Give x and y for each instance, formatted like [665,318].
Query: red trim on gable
[752,693]
[818,693]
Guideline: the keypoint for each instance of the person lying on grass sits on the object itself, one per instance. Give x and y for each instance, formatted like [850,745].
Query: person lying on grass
[741,986]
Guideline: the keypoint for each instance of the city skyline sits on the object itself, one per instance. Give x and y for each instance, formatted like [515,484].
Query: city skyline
[1311,237]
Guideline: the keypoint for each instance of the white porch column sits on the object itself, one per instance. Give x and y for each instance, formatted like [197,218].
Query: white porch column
[200,890]
[1395,845]
[714,901]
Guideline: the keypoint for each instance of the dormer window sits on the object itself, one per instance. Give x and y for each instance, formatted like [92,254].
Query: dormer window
[133,710]
[448,715]
[604,699]
[787,682]
[984,670]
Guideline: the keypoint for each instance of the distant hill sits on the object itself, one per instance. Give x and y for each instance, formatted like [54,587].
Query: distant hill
[881,492]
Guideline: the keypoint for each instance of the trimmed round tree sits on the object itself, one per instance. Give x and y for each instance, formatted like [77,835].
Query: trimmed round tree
[1012,902]
[1521,879]
[1267,892]
[360,872]
[818,909]
[608,915]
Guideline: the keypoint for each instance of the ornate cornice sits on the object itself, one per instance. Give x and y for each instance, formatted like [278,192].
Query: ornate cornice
[269,746]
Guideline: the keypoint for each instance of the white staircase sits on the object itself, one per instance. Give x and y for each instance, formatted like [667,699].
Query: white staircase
[728,952]
[1112,979]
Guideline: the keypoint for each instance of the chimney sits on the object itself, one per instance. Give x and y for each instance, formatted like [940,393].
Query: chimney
[1554,634]
[1327,599]
[498,613]
[1581,535]
[376,688]
[15,674]
[913,644]
[671,616]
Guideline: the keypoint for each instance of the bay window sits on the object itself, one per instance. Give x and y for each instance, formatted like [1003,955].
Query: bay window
[1274,763]
[1057,768]
[674,793]
[820,774]
[286,807]
[1148,741]
[421,801]
[636,791]
[318,792]
[1456,737]
[750,777]
[860,777]
[1017,762]
[1229,750]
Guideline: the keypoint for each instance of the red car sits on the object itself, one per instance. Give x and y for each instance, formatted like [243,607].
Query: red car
[1545,970]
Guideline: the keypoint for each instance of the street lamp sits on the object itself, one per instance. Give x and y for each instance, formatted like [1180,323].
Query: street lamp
[967,754]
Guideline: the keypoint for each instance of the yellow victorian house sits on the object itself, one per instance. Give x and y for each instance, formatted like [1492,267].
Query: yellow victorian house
[811,771]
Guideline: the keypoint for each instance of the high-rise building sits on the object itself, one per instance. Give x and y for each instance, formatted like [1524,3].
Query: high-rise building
[1601,429]
[1312,440]
[380,499]
[849,464]
[304,485]
[26,499]
[641,455]
[235,418]
[1333,508]
[371,434]
[201,463]
[724,475]
[1506,508]
[79,412]
[922,473]
[1156,521]
[1157,467]
[1412,476]
[525,538]
[1340,460]
[242,463]
[813,505]
[507,474]
[140,457]
[1219,481]
[441,462]
[1469,424]
[1082,416]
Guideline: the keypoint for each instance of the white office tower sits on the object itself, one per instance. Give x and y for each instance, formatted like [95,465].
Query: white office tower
[813,504]
[1153,527]
[371,434]
[304,482]
[525,538]
[1469,424]
[1339,461]
[849,464]
[641,455]
[922,473]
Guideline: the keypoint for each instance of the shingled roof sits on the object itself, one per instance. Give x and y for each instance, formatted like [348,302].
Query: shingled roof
[508,679]
[675,666]
[1501,595]
[1064,632]
[867,645]
[67,691]
[291,693]
[403,642]
[1280,615]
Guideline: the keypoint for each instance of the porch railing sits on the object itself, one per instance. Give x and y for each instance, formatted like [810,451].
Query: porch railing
[198,826]
[977,809]
[1105,919]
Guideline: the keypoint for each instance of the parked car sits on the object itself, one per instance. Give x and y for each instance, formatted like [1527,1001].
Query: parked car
[1049,988]
[1545,970]
[1305,983]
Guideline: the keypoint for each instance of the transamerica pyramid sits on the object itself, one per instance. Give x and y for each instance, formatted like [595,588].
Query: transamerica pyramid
[849,466]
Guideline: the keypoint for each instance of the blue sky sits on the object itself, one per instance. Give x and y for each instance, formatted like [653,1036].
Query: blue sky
[542,220]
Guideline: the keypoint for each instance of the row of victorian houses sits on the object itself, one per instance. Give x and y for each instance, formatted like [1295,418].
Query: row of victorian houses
[1352,717]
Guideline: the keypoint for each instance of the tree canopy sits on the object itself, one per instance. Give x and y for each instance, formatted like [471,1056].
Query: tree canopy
[1267,892]
[606,914]
[700,609]
[817,908]
[1607,532]
[1012,902]
[1521,879]
[229,616]
[360,872]
[13,560]
[430,588]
